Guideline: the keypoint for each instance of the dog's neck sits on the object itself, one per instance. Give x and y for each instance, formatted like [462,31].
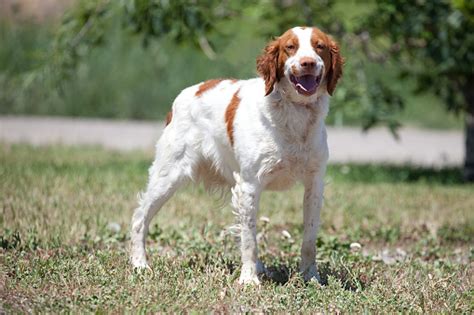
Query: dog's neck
[296,119]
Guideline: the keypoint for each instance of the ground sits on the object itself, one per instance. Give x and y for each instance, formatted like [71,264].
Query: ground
[64,240]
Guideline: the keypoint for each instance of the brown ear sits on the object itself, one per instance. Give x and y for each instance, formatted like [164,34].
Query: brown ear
[267,65]
[335,72]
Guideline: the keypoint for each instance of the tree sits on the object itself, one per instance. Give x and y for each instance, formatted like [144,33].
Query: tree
[433,41]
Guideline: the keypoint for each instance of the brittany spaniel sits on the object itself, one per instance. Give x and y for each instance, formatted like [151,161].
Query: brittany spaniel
[251,135]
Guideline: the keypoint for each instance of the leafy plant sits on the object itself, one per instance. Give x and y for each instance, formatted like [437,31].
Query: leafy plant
[433,42]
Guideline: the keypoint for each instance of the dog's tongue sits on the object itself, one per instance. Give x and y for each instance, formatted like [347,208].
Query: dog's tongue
[306,82]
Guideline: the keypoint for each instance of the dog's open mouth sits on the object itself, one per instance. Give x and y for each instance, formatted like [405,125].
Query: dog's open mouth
[306,84]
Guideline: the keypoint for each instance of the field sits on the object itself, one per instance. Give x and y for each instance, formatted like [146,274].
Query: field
[65,216]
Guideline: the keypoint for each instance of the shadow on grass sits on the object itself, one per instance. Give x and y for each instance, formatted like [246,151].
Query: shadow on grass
[394,174]
[281,274]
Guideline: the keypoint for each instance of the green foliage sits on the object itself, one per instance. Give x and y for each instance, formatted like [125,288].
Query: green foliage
[92,22]
[129,59]
[433,42]
[83,28]
[82,73]
[181,20]
[278,16]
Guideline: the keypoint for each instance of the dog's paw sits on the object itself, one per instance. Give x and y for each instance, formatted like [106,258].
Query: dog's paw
[249,280]
[140,268]
[248,276]
[143,270]
[311,274]
[139,263]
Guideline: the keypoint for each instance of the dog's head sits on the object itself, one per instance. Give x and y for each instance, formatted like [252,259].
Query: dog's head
[304,62]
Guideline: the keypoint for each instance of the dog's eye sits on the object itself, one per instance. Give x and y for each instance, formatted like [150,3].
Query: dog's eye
[290,47]
[319,46]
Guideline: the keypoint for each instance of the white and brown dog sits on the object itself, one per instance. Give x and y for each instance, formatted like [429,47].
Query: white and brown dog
[251,135]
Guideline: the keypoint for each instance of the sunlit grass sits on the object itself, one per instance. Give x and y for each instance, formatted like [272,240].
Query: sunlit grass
[66,213]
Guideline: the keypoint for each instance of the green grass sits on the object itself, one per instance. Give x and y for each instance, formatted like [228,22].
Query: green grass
[59,252]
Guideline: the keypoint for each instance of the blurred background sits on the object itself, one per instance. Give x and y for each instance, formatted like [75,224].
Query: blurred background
[408,63]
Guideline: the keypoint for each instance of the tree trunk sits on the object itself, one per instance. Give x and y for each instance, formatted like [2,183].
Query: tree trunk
[468,171]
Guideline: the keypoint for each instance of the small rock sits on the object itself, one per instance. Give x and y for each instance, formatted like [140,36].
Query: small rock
[458,251]
[377,257]
[286,234]
[355,247]
[401,254]
[386,258]
[265,219]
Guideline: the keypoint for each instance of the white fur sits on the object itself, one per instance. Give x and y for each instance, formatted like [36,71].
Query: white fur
[278,140]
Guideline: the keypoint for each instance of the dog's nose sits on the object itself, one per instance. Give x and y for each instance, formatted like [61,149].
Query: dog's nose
[307,63]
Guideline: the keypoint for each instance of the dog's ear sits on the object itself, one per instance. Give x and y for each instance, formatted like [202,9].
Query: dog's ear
[335,70]
[267,65]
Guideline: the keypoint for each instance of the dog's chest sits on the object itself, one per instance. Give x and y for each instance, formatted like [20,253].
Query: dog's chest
[286,166]
[292,147]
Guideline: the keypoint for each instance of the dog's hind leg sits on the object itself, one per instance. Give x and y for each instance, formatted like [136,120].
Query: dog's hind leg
[163,182]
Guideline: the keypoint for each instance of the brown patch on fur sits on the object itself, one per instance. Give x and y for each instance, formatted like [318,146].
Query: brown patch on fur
[328,50]
[230,115]
[267,65]
[270,64]
[169,116]
[336,68]
[207,85]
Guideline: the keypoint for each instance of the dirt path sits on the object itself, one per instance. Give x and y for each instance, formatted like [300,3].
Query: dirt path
[415,146]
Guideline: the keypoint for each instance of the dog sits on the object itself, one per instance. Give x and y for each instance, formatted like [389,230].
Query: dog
[251,135]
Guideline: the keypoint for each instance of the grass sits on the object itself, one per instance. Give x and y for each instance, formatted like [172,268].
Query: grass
[66,213]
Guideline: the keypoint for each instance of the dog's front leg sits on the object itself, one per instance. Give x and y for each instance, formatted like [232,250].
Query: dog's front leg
[245,199]
[313,200]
